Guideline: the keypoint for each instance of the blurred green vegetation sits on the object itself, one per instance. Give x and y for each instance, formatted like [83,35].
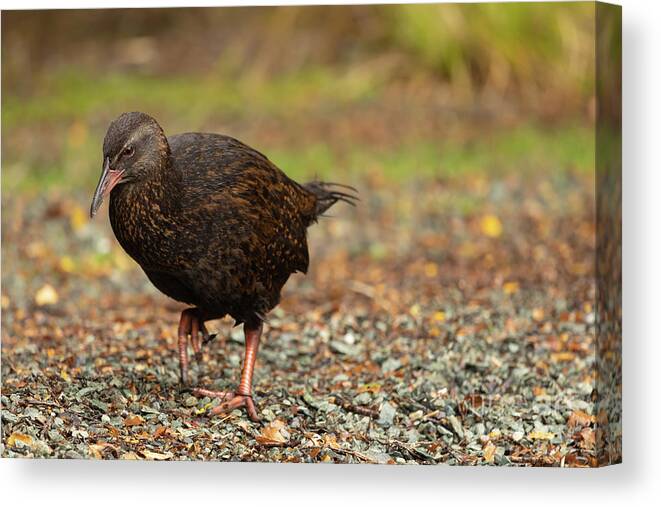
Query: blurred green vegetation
[402,90]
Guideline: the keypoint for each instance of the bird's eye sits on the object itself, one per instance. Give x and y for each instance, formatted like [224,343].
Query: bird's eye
[128,151]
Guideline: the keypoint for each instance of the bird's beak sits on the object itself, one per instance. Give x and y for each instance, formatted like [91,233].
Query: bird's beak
[109,179]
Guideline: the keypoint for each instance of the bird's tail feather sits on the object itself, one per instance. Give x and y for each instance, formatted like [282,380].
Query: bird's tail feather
[328,193]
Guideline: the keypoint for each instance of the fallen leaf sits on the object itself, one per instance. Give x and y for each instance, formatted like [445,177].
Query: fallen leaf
[67,264]
[78,218]
[540,435]
[538,314]
[489,451]
[579,418]
[491,226]
[271,434]
[588,438]
[156,455]
[431,270]
[19,437]
[98,448]
[331,441]
[369,388]
[439,316]
[134,420]
[47,295]
[538,391]
[510,288]
[558,357]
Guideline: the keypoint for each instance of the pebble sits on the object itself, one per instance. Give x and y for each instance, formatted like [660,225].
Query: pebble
[386,414]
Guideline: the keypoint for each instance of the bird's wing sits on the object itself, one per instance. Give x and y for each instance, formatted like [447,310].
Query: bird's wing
[249,197]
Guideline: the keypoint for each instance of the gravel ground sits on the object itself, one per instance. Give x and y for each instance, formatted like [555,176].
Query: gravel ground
[441,322]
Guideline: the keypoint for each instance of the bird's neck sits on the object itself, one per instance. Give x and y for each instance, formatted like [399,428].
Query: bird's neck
[142,211]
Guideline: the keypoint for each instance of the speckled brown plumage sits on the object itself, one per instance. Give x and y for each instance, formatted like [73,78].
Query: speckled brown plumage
[212,222]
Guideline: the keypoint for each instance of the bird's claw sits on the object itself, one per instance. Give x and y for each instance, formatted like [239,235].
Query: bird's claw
[236,401]
[193,330]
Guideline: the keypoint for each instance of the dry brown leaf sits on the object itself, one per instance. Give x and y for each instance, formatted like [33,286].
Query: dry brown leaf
[579,418]
[156,455]
[134,420]
[271,434]
[98,448]
[588,436]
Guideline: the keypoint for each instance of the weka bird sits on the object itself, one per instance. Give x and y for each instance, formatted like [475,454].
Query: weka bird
[214,224]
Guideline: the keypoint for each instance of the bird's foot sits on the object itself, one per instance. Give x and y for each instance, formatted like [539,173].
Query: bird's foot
[193,330]
[230,401]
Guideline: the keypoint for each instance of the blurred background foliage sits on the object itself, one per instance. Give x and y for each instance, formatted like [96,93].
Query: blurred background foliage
[396,91]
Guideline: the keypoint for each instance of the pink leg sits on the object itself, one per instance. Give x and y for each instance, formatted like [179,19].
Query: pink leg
[190,323]
[243,395]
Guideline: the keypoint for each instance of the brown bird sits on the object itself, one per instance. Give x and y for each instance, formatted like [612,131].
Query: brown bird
[214,224]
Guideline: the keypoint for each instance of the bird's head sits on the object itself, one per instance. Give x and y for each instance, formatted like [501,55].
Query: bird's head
[133,148]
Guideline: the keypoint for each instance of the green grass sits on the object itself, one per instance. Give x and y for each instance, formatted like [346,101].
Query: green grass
[523,150]
[66,159]
[67,95]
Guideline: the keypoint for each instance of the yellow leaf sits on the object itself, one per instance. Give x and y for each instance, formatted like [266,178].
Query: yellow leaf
[495,434]
[370,388]
[19,437]
[78,218]
[67,264]
[415,310]
[540,435]
[510,287]
[439,316]
[491,226]
[489,451]
[562,356]
[47,295]
[65,376]
[431,269]
[204,408]
[5,302]
[331,441]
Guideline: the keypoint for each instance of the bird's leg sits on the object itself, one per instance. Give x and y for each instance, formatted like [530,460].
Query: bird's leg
[191,323]
[243,395]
